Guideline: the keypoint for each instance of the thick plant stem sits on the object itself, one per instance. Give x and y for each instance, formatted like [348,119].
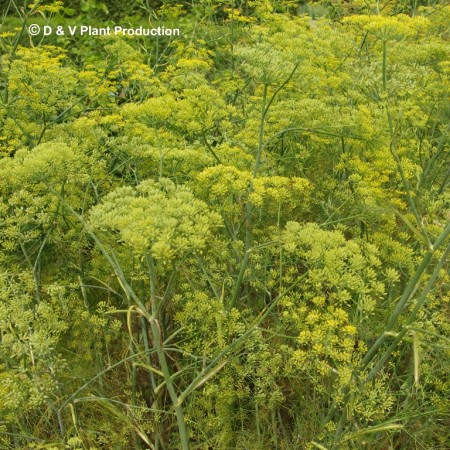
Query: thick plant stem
[184,437]
[408,293]
[265,106]
[412,286]
[157,338]
[249,206]
[158,344]
[412,204]
[411,317]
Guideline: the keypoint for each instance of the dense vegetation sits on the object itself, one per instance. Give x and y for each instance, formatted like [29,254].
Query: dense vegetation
[232,239]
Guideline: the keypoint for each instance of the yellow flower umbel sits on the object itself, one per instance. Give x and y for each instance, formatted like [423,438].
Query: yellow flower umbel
[157,217]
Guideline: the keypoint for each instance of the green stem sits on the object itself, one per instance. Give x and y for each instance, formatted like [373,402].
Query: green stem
[259,320]
[265,106]
[384,65]
[96,377]
[411,317]
[393,149]
[397,311]
[261,131]
[17,42]
[158,344]
[184,437]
